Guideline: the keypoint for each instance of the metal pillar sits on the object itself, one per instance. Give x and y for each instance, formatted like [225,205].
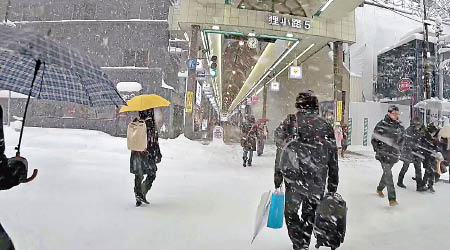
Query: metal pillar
[191,86]
[264,113]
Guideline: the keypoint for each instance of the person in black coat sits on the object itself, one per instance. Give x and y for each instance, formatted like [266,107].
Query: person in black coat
[432,154]
[308,164]
[144,163]
[412,153]
[387,139]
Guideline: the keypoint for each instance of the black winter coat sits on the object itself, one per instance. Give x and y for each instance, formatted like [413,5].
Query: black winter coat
[310,159]
[387,140]
[145,162]
[412,150]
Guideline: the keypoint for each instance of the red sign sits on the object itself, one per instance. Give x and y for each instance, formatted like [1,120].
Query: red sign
[255,99]
[404,85]
[249,101]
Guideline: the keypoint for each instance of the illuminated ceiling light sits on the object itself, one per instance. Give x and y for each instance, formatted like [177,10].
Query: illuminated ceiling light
[284,56]
[241,43]
[215,27]
[326,5]
[289,35]
[251,34]
[234,72]
[230,86]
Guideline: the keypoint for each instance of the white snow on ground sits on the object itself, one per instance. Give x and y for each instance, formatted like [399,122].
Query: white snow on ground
[202,198]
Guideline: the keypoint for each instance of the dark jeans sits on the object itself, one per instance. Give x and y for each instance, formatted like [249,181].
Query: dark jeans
[260,149]
[428,177]
[142,188]
[249,154]
[299,228]
[417,167]
[387,180]
[5,241]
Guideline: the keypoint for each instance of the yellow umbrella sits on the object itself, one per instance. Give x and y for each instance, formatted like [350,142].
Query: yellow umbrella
[144,102]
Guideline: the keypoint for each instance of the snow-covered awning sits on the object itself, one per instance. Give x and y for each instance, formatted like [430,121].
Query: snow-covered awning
[434,104]
[5,94]
[129,87]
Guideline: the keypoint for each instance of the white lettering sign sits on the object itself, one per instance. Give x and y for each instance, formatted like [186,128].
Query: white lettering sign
[293,22]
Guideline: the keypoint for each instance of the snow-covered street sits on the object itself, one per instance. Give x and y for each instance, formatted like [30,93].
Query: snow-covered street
[202,198]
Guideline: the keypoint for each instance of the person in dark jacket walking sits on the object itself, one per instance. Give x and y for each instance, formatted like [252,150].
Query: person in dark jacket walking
[412,153]
[249,132]
[307,163]
[144,163]
[432,155]
[387,139]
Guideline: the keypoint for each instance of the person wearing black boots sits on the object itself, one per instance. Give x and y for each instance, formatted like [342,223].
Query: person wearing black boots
[144,163]
[432,154]
[412,153]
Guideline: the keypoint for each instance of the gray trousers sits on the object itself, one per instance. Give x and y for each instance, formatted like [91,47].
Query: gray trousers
[387,181]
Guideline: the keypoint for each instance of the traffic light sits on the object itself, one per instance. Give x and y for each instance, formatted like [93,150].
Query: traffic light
[213,70]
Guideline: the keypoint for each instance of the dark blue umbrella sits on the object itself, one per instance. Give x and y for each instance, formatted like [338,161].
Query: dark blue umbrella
[34,65]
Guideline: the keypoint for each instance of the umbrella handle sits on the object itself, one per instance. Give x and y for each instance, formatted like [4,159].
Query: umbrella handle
[36,69]
[35,171]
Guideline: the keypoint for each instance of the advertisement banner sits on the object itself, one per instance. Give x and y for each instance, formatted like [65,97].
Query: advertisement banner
[189,101]
[198,94]
[295,72]
[339,111]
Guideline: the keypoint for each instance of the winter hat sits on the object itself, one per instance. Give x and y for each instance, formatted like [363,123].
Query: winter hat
[392,108]
[306,101]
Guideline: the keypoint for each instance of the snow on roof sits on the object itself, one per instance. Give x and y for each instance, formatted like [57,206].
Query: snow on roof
[125,67]
[129,86]
[86,21]
[5,94]
[407,39]
[164,85]
[8,23]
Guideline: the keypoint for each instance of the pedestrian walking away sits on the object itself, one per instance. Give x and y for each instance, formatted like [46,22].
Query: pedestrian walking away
[143,163]
[249,132]
[307,163]
[387,139]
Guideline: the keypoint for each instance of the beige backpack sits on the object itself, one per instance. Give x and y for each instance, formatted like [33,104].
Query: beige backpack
[137,136]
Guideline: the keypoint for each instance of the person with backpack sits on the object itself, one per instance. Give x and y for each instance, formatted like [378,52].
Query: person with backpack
[144,162]
[387,139]
[308,165]
[249,132]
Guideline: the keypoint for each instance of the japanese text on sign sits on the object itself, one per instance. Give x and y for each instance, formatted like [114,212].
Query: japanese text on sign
[294,23]
[189,100]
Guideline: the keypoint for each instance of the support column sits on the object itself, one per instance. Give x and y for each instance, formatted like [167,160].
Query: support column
[191,86]
[264,113]
[338,69]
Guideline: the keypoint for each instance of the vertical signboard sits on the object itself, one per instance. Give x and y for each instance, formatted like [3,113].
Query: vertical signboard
[189,101]
[366,131]
[198,94]
[339,111]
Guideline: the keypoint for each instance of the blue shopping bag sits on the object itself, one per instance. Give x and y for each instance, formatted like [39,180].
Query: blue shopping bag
[276,211]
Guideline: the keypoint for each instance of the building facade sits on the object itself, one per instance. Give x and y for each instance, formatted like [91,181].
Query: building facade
[130,41]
